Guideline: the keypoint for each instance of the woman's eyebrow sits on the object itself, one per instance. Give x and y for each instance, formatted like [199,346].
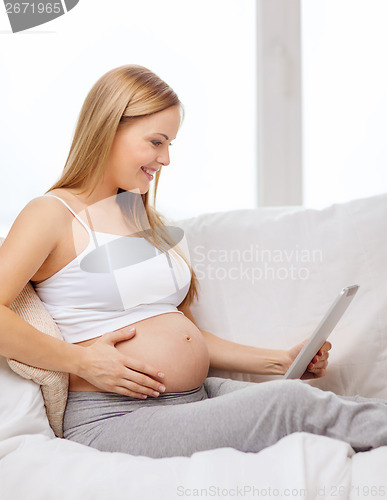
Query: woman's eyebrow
[167,138]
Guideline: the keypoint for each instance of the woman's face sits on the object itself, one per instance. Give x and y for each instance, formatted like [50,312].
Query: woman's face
[139,146]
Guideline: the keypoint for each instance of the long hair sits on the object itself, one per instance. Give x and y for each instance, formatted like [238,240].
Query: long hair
[117,99]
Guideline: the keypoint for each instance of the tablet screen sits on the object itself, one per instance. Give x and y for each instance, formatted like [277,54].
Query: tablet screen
[322,332]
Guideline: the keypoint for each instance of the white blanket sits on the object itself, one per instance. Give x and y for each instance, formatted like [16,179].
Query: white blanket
[58,469]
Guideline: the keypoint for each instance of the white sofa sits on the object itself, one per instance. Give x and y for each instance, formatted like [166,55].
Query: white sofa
[266,278]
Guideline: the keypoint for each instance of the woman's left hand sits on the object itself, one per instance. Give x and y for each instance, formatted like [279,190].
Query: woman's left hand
[318,365]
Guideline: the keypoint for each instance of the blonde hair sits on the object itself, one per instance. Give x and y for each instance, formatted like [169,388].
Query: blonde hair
[117,99]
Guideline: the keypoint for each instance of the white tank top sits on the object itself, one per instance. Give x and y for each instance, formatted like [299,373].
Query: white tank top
[116,281]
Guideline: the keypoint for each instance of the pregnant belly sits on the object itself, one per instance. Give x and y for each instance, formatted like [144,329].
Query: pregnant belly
[170,343]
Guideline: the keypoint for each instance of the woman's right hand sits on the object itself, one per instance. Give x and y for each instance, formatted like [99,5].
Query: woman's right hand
[106,368]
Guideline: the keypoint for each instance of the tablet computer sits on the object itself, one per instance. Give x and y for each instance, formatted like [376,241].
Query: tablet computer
[322,332]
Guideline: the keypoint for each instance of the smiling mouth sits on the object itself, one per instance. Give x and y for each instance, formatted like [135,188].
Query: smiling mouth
[148,172]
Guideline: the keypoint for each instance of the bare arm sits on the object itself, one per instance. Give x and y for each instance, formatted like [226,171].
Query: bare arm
[19,340]
[231,356]
[32,237]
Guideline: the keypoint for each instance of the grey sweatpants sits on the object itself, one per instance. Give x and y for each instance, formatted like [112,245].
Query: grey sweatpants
[221,413]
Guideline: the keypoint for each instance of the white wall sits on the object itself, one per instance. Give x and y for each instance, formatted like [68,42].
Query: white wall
[344,99]
[204,49]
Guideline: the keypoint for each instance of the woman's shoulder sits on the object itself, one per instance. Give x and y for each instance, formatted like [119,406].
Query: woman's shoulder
[43,209]
[50,201]
[42,217]
[34,234]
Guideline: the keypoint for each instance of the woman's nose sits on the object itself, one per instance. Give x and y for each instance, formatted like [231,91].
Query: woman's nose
[163,158]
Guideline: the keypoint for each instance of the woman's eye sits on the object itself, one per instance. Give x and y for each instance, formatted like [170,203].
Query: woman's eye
[158,143]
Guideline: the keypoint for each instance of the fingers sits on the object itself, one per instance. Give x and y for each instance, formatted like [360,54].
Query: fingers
[106,368]
[140,366]
[319,364]
[132,394]
[132,389]
[120,335]
[123,380]
[141,383]
[326,347]
[320,359]
[140,377]
[127,392]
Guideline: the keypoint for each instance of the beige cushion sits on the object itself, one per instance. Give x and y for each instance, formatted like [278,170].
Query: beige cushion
[54,385]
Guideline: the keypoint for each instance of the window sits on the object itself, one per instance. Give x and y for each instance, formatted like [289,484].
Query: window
[344,100]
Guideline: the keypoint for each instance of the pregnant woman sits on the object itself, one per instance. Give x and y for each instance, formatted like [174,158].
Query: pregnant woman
[118,283]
